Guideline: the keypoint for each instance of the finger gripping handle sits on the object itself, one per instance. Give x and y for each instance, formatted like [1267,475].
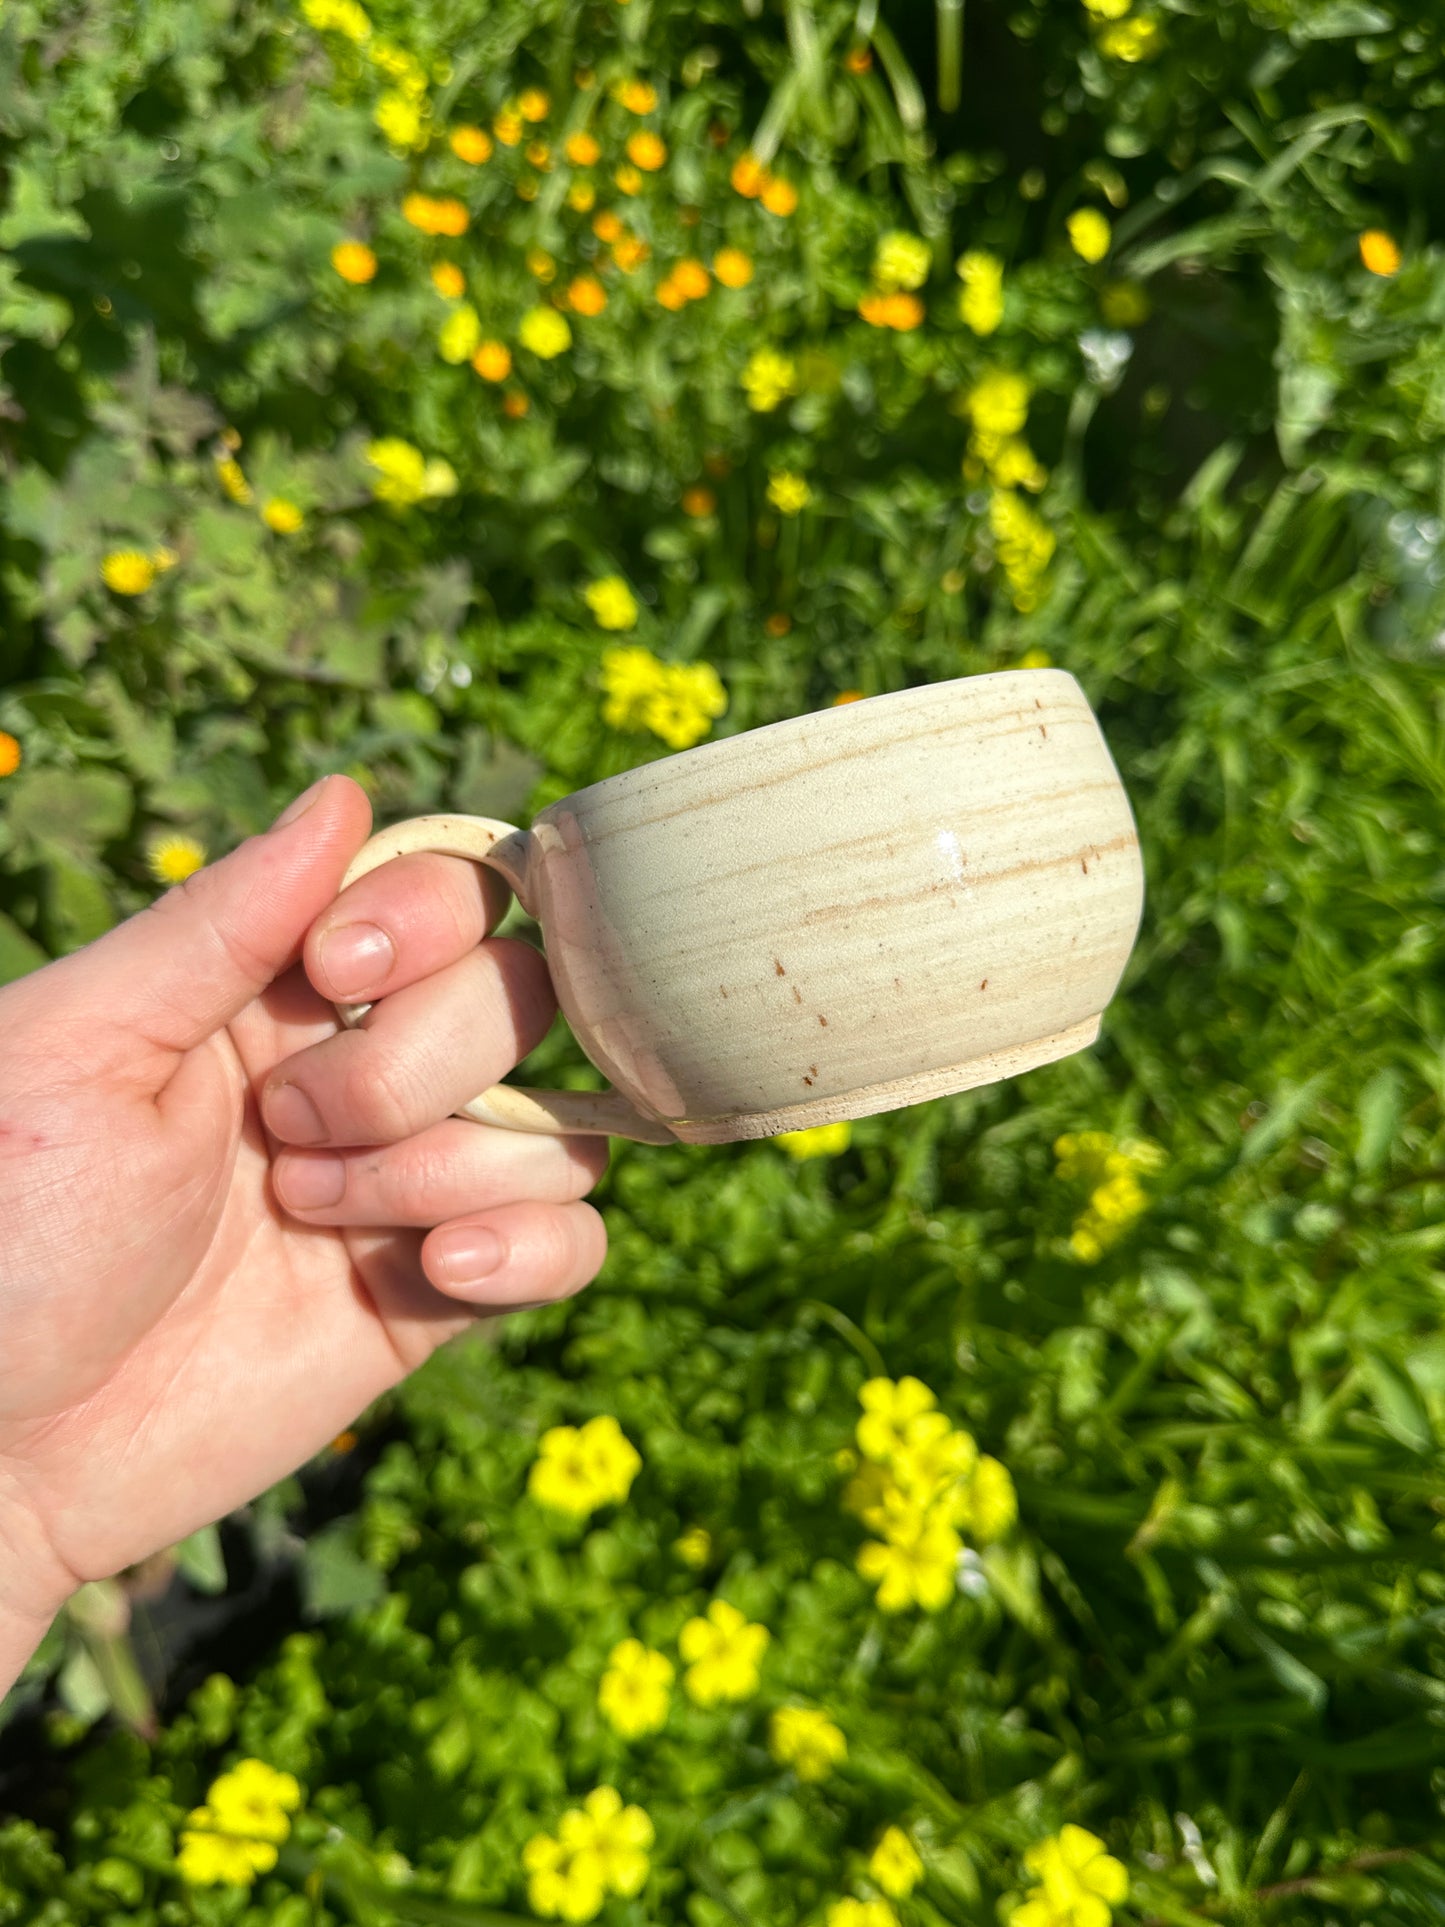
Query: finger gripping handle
[505,849]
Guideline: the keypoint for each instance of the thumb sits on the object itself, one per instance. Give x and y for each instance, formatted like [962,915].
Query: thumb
[180,969]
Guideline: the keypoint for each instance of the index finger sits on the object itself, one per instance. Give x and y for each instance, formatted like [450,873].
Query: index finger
[401,923]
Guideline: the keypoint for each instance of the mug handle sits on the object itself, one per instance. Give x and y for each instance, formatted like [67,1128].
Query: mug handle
[503,848]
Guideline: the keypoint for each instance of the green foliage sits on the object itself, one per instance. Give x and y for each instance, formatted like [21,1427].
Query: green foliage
[1215,1636]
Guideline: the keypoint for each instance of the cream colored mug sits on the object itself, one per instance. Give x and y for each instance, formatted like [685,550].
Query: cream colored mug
[823,918]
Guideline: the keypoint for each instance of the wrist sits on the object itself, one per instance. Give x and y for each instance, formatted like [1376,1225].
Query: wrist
[34,1584]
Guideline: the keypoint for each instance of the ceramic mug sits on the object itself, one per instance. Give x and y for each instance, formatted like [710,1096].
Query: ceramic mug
[823,918]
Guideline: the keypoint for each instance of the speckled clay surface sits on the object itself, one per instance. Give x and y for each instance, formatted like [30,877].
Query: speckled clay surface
[827,917]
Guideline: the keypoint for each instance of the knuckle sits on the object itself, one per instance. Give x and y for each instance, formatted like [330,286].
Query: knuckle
[410,1182]
[382,1095]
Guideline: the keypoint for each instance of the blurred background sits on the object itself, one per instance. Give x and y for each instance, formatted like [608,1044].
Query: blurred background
[1024,1508]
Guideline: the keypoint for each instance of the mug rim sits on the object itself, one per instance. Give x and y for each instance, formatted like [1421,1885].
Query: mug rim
[720,747]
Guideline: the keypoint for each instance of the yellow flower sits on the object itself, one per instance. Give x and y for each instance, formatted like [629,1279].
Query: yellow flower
[254,1798]
[1078,1882]
[435,214]
[631,678]
[583,149]
[723,1653]
[637,96]
[778,196]
[607,227]
[646,150]
[769,378]
[914,1565]
[541,265]
[1130,40]
[1108,9]
[448,280]
[127,571]
[493,360]
[508,126]
[533,104]
[406,476]
[683,708]
[628,179]
[459,334]
[890,1416]
[1380,252]
[861,1913]
[338,16]
[981,303]
[10,753]
[578,1470]
[208,1859]
[789,493]
[545,332]
[281,515]
[171,859]
[748,175]
[632,1694]
[807,1741]
[900,311]
[402,121]
[732,267]
[612,603]
[1112,1170]
[562,1882]
[581,196]
[539,155]
[692,278]
[233,481]
[471,144]
[999,403]
[617,1836]
[1013,464]
[1089,233]
[901,260]
[1025,545]
[670,295]
[822,1141]
[354,262]
[629,253]
[992,1503]
[1034,659]
[586,295]
[694,1548]
[895,1864]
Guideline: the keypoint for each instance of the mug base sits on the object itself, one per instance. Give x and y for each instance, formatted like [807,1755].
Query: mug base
[992,1068]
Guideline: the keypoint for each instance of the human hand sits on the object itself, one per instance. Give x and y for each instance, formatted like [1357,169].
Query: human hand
[183,1319]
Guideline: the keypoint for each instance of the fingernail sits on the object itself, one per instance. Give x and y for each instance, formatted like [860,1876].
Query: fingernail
[468,1255]
[290,1113]
[301,805]
[355,957]
[308,1183]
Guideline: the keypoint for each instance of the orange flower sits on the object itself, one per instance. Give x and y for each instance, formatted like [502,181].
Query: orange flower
[637,96]
[858,60]
[435,216]
[448,279]
[471,144]
[508,126]
[693,279]
[629,253]
[607,227]
[646,150]
[354,262]
[732,267]
[847,696]
[539,155]
[583,149]
[587,295]
[493,360]
[901,311]
[778,624]
[698,501]
[515,405]
[9,753]
[779,197]
[671,295]
[1380,252]
[628,179]
[748,175]
[533,104]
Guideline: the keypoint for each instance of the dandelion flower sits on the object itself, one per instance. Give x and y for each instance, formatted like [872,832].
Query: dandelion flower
[533,104]
[581,196]
[281,516]
[779,197]
[646,150]
[10,753]
[402,121]
[171,859]
[607,227]
[1380,252]
[459,334]
[127,571]
[471,144]
[732,267]
[637,96]
[354,262]
[493,360]
[628,179]
[508,126]
[748,175]
[434,214]
[448,280]
[586,295]
[692,278]
[583,149]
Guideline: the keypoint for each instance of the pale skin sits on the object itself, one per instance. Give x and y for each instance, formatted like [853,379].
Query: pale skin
[179,1326]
